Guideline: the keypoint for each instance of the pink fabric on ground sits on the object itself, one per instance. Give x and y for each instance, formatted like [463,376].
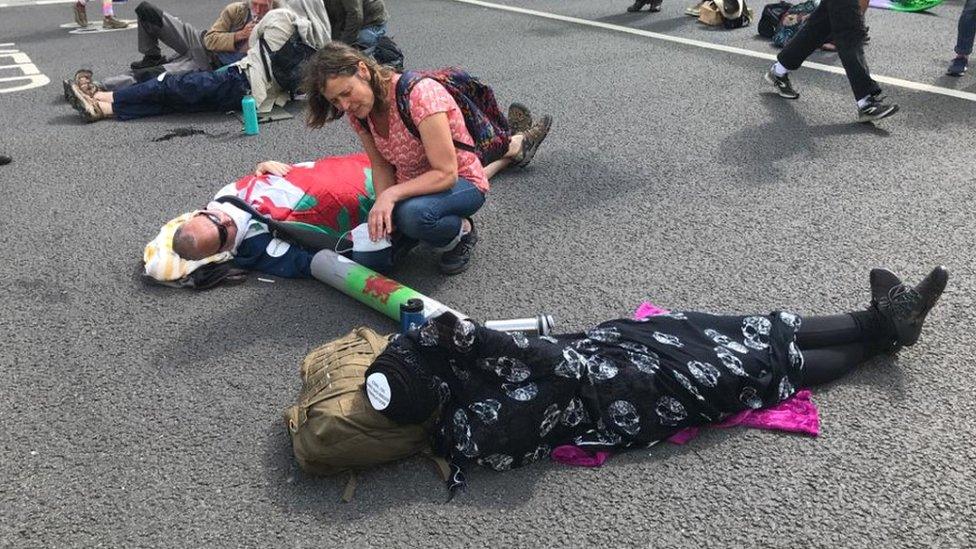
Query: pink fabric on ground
[647,309]
[797,414]
[578,457]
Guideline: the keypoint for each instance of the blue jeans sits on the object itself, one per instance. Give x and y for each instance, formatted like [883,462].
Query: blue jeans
[967,29]
[368,36]
[198,91]
[434,219]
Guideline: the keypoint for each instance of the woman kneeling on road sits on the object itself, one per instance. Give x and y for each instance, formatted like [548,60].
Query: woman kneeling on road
[427,189]
[506,400]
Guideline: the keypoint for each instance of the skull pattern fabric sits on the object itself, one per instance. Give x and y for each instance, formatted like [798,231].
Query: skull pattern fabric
[755,329]
[511,369]
[622,383]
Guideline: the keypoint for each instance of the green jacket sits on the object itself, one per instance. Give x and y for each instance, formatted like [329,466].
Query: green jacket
[349,16]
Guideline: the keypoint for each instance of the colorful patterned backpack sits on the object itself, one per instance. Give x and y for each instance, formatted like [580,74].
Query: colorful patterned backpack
[792,20]
[484,120]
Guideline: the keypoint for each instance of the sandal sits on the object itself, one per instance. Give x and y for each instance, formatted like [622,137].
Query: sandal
[531,139]
[84,79]
[86,105]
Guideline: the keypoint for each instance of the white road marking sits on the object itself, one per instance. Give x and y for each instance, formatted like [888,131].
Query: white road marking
[16,3]
[918,86]
[28,72]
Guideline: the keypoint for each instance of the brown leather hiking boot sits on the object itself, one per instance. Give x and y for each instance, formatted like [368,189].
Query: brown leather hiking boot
[81,16]
[519,118]
[110,22]
[533,137]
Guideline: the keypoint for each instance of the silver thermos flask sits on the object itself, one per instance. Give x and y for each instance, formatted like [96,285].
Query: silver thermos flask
[540,325]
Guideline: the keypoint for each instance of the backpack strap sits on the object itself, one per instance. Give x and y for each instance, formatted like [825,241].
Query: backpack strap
[305,237]
[265,54]
[405,86]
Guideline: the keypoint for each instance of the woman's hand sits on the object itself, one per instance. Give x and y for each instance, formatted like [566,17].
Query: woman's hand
[381,216]
[272,167]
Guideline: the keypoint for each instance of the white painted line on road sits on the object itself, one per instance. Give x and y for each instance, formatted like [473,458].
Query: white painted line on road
[36,3]
[918,86]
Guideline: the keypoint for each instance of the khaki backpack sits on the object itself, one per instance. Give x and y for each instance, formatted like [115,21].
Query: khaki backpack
[333,428]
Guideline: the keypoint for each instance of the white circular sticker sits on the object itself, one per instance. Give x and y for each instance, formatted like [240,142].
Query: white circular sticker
[277,247]
[378,391]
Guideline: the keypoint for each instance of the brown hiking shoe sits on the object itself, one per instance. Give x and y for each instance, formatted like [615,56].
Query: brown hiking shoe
[110,22]
[531,140]
[81,16]
[519,118]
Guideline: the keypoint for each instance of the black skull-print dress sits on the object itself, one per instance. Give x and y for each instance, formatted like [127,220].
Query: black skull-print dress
[507,400]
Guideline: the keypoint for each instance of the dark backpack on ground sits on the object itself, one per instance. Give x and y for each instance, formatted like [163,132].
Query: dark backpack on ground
[792,20]
[484,120]
[770,18]
[284,65]
[386,52]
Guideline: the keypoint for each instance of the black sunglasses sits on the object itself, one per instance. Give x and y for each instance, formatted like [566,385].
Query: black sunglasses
[221,229]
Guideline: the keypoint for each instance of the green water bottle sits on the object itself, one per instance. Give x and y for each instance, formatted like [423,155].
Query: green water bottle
[249,108]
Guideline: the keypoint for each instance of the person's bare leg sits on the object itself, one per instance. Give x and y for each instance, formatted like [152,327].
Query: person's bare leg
[104,97]
[106,108]
[514,147]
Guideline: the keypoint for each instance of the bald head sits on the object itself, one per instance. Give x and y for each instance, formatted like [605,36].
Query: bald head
[200,236]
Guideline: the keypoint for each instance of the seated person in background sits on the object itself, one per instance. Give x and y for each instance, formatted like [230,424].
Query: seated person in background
[211,91]
[358,23]
[226,42]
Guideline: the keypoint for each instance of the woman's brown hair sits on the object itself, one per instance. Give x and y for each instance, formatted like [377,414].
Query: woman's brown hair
[338,59]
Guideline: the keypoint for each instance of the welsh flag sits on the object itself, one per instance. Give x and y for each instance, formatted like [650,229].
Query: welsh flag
[332,194]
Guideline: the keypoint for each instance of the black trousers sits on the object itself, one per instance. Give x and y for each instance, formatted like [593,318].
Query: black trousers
[834,345]
[842,20]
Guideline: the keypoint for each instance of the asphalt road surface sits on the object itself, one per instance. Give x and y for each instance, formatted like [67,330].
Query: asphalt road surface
[143,416]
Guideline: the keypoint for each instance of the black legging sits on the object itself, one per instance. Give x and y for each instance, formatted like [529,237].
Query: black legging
[833,345]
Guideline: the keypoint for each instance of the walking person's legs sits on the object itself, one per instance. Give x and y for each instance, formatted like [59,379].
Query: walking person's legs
[964,39]
[811,36]
[108,17]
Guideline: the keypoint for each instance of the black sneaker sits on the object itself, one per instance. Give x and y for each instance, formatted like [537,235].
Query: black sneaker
[4,160]
[402,246]
[782,84]
[875,109]
[906,307]
[455,261]
[148,61]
